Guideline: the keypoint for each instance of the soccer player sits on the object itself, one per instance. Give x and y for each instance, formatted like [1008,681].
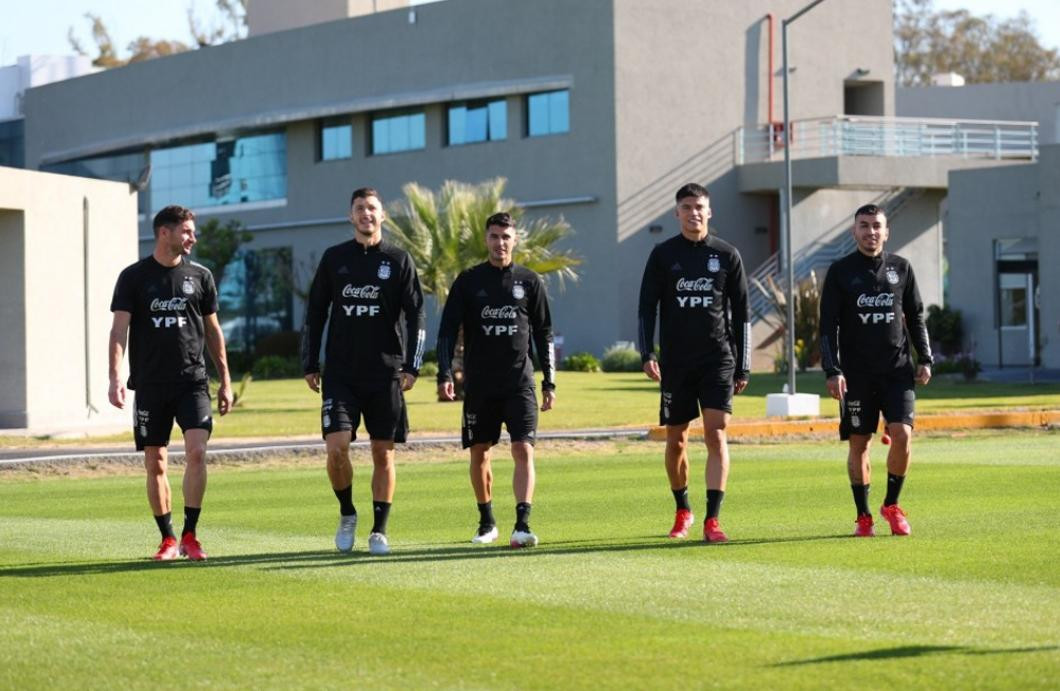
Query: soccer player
[165,308]
[363,289]
[870,311]
[696,282]
[501,307]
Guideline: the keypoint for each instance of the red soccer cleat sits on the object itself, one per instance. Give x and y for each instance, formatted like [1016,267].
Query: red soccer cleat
[190,548]
[863,527]
[682,522]
[712,532]
[167,550]
[894,515]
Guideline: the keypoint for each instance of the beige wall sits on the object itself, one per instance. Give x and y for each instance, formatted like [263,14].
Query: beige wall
[60,336]
[266,16]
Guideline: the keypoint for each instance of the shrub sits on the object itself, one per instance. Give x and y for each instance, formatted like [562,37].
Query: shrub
[946,328]
[282,343]
[621,357]
[581,362]
[429,369]
[276,367]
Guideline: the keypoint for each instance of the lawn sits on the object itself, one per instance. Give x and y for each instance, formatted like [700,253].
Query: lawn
[971,600]
[284,408]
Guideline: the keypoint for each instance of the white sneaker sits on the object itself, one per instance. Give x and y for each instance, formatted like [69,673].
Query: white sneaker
[378,545]
[485,538]
[521,539]
[345,536]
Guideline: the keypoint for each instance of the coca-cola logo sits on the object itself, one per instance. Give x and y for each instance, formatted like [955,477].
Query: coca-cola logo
[698,285]
[363,292]
[878,300]
[170,305]
[505,312]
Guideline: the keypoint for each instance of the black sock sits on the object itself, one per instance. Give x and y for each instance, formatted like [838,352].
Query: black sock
[861,499]
[191,520]
[345,497]
[714,497]
[165,524]
[522,517]
[382,514]
[894,488]
[485,514]
[681,498]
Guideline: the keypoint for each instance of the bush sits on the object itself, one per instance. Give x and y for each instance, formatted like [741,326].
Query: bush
[282,343]
[429,369]
[581,362]
[946,328]
[276,367]
[963,364]
[621,357]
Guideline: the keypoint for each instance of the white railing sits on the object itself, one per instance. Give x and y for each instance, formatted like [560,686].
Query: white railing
[858,135]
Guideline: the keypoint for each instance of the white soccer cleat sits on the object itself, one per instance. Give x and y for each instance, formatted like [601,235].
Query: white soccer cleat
[485,536]
[345,536]
[521,539]
[378,545]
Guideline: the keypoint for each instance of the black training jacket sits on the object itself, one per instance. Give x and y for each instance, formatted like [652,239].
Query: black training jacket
[870,311]
[361,293]
[501,310]
[700,292]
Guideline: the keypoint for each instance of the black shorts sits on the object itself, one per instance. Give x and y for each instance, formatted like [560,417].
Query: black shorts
[157,405]
[382,405]
[484,413]
[685,392]
[868,395]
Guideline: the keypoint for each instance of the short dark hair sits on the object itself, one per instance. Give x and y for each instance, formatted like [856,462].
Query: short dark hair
[869,210]
[364,193]
[502,219]
[171,216]
[691,190]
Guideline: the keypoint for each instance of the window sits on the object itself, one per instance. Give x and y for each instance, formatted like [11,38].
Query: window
[118,167]
[13,143]
[398,132]
[336,140]
[250,168]
[255,297]
[1014,300]
[548,113]
[478,121]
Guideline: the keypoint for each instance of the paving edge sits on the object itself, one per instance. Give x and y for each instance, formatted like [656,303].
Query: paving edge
[830,426]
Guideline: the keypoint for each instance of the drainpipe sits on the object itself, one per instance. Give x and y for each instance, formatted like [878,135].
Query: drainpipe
[772,20]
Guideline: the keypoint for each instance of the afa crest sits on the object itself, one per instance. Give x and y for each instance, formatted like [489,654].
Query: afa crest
[188,286]
[384,271]
[518,292]
[713,265]
[892,276]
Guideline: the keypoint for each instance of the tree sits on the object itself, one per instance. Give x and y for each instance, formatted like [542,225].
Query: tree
[232,26]
[981,49]
[807,316]
[218,244]
[445,234]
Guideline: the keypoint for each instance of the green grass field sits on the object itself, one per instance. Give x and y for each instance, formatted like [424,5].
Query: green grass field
[282,408]
[971,600]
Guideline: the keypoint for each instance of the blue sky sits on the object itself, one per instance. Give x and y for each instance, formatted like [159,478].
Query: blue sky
[40,26]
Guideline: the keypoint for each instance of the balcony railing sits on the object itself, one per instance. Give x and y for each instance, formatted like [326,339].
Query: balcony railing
[857,135]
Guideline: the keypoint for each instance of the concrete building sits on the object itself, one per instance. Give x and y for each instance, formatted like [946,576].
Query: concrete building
[65,240]
[1006,219]
[595,110]
[998,225]
[27,72]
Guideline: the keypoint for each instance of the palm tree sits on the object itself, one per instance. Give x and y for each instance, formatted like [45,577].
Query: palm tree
[444,231]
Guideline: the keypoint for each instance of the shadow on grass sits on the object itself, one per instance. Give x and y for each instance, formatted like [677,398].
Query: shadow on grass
[915,651]
[412,553]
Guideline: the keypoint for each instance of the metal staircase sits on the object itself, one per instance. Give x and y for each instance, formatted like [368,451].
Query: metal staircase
[818,255]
